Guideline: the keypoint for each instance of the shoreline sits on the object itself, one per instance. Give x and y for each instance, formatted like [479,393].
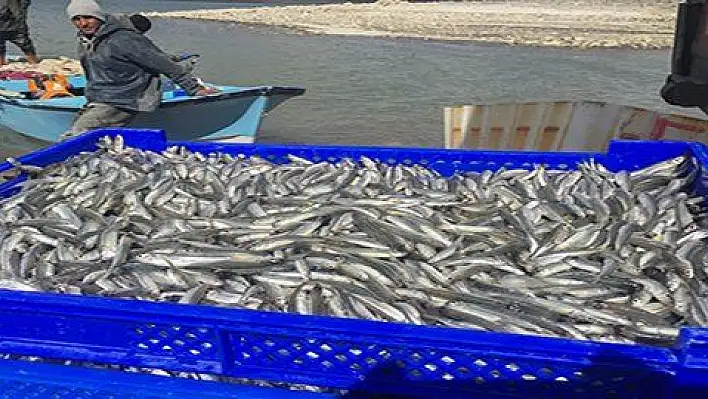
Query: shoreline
[631,24]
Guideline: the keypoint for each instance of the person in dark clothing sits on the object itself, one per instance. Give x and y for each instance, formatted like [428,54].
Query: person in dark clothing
[14,28]
[122,69]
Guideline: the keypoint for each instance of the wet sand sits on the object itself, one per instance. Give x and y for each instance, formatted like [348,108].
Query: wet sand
[641,24]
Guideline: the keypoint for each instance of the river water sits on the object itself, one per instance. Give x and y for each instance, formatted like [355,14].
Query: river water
[370,91]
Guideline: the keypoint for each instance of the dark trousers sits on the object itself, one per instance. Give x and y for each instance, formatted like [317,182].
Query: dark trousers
[19,38]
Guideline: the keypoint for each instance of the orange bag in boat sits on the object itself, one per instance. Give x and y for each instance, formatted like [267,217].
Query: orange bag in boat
[49,86]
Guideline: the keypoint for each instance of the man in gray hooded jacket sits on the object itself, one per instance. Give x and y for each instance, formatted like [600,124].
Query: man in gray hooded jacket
[122,69]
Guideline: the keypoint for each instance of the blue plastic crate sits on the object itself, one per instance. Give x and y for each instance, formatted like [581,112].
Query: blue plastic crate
[355,355]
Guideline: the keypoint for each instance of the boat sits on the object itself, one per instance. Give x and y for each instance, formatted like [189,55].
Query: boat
[232,115]
[562,126]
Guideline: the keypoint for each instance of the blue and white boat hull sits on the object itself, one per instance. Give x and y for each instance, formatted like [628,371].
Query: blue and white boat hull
[234,114]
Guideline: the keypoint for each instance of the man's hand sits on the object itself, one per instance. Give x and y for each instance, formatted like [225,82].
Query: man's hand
[206,90]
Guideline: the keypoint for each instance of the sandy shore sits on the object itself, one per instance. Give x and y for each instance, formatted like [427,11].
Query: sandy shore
[642,24]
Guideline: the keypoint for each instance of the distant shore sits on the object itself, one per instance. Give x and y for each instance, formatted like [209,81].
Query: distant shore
[640,24]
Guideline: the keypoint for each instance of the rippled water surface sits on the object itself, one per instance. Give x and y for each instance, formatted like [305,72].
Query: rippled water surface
[371,91]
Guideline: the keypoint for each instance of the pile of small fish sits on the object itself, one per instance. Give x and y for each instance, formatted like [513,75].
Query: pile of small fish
[586,254]
[59,65]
